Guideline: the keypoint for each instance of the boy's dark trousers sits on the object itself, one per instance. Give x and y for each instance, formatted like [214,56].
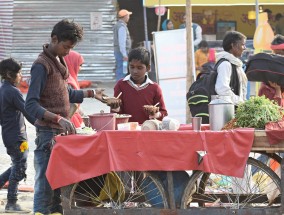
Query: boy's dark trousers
[16,172]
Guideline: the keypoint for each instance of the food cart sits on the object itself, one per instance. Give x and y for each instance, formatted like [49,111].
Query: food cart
[80,162]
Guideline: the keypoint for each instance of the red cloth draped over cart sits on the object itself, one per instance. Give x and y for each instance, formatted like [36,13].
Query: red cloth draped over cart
[78,157]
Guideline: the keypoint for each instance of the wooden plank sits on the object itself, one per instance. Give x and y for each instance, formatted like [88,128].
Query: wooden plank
[261,143]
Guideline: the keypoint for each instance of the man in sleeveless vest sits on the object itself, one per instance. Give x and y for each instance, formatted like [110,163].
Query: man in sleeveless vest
[122,42]
[48,100]
[197,32]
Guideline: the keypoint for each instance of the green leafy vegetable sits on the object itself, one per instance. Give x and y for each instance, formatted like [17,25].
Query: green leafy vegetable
[85,130]
[256,112]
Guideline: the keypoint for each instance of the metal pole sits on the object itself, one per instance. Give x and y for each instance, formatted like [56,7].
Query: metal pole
[256,12]
[159,17]
[146,29]
[189,60]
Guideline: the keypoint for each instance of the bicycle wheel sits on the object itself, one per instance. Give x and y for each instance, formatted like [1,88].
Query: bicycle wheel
[116,190]
[272,160]
[261,189]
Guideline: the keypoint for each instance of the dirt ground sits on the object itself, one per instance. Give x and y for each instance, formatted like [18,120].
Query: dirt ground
[89,106]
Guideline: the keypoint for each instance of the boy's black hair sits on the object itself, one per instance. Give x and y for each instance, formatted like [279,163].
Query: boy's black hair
[278,39]
[232,37]
[141,54]
[9,68]
[68,30]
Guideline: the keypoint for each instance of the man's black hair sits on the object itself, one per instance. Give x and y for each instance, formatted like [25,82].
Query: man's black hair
[232,37]
[68,30]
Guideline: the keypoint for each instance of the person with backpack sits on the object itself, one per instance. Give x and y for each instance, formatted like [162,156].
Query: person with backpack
[226,83]
[227,78]
[269,89]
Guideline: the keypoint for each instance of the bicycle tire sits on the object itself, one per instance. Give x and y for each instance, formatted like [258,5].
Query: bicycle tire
[131,189]
[207,190]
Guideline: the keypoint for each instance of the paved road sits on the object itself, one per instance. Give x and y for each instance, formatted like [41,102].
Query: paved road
[89,106]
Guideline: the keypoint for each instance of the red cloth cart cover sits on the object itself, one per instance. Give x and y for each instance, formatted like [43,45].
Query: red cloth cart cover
[78,157]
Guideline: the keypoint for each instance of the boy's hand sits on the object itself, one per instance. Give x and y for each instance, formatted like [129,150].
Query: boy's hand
[150,109]
[112,102]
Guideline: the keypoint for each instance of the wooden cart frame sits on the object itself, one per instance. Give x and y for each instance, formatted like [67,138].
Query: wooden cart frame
[260,144]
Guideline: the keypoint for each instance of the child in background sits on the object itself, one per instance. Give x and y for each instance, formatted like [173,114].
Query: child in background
[137,91]
[203,55]
[74,61]
[14,133]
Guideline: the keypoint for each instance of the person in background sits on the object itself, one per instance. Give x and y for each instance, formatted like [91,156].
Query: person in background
[138,85]
[269,15]
[14,135]
[48,100]
[278,16]
[233,45]
[203,55]
[122,42]
[167,25]
[270,89]
[74,61]
[270,18]
[279,26]
[197,32]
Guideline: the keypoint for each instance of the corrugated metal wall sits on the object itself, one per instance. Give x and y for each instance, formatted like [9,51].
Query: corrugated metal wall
[6,31]
[33,22]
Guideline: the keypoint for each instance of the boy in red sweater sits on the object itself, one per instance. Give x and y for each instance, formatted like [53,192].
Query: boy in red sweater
[141,97]
[139,91]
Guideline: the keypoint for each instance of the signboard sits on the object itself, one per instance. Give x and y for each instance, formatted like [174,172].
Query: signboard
[171,70]
[152,3]
[96,20]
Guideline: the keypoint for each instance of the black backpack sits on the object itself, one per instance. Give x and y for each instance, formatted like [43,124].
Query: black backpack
[199,94]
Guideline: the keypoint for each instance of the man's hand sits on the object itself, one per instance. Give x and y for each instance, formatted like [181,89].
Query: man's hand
[96,93]
[67,126]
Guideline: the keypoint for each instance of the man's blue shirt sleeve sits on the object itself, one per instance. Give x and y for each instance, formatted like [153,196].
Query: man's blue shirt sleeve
[37,84]
[75,96]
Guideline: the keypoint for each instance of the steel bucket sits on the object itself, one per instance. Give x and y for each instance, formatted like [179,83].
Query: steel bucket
[221,111]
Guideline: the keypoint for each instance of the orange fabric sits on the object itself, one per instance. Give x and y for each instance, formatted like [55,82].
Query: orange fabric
[200,58]
[85,84]
[105,151]
[73,61]
[23,87]
[273,164]
[77,120]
